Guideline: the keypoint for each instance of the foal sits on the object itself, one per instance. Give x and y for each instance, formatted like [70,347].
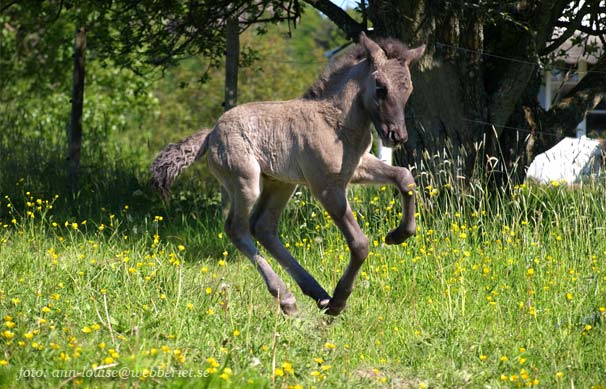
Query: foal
[261,151]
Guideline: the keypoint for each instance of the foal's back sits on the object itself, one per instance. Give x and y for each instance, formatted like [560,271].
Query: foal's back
[288,140]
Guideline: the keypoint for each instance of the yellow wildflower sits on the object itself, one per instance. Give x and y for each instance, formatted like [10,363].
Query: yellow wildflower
[278,372]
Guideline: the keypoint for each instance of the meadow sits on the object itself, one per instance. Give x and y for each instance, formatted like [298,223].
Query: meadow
[107,286]
[111,287]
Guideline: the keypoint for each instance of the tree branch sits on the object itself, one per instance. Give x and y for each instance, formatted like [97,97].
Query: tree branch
[338,16]
[571,28]
[7,5]
[591,31]
[596,17]
[586,29]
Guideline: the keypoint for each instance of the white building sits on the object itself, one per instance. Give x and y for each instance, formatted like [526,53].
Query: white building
[572,62]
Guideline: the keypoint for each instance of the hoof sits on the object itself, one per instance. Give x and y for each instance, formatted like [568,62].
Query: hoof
[334,309]
[289,309]
[323,304]
[289,305]
[397,236]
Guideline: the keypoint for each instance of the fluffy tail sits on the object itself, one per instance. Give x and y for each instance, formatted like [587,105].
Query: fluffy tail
[175,157]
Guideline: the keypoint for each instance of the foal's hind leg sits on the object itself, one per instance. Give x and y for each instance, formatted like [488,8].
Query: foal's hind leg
[264,226]
[374,171]
[244,192]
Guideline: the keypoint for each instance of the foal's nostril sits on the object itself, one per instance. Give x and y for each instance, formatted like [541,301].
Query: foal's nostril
[392,135]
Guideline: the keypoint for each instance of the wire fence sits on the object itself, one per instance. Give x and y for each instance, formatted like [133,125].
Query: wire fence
[462,49]
[515,60]
[482,53]
[525,130]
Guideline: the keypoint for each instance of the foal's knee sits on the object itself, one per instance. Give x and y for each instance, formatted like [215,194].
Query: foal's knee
[359,248]
[405,180]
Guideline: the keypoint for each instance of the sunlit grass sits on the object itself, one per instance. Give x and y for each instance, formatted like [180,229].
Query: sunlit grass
[501,290]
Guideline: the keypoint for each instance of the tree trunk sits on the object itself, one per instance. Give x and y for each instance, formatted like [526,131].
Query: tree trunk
[475,89]
[470,82]
[232,54]
[447,111]
[75,123]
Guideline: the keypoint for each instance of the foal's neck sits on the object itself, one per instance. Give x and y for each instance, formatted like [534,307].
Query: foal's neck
[350,99]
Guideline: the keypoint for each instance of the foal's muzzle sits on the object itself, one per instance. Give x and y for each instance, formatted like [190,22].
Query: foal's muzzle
[393,136]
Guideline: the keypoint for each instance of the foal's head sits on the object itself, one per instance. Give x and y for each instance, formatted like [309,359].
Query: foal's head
[388,87]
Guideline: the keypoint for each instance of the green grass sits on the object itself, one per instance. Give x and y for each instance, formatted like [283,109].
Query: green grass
[499,288]
[495,290]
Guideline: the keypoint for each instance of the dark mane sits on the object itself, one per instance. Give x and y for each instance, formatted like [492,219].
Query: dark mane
[341,65]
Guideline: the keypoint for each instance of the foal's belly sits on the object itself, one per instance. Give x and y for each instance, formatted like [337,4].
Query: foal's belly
[285,171]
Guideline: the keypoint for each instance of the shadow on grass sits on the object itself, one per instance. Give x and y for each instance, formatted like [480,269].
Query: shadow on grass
[112,181]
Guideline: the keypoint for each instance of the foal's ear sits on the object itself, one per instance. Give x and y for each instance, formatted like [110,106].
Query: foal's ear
[374,52]
[413,55]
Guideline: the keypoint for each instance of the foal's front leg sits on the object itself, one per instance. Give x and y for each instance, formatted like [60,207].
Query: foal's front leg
[374,171]
[334,200]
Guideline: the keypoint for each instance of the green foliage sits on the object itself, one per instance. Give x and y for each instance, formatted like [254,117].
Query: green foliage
[140,36]
[128,117]
[35,48]
[285,68]
[33,138]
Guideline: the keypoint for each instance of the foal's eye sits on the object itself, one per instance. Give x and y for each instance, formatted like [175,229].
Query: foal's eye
[381,92]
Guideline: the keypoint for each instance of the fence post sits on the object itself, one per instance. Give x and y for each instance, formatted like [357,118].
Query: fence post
[74,129]
[232,54]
